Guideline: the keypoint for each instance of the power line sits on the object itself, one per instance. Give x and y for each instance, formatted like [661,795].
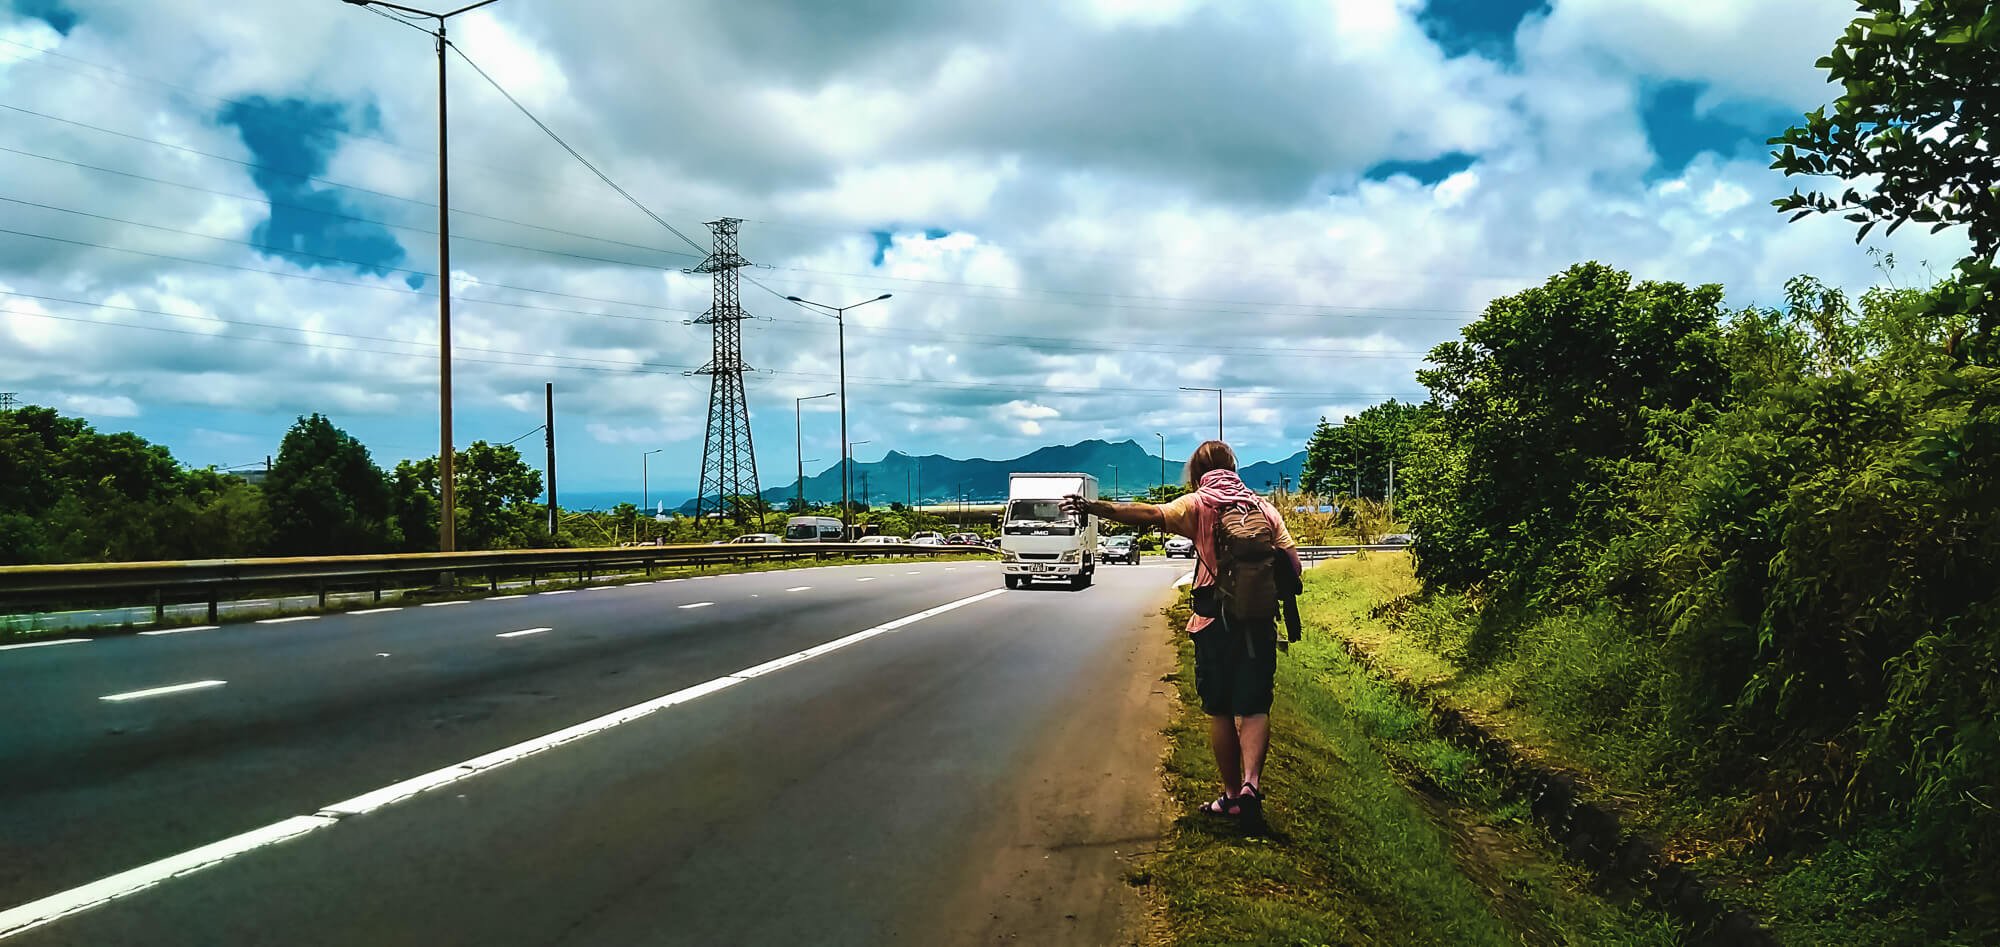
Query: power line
[337,282]
[326,332]
[574,153]
[615,367]
[311,179]
[1121,345]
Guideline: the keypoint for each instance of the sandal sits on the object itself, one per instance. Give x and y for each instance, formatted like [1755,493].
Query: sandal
[1224,807]
[1250,805]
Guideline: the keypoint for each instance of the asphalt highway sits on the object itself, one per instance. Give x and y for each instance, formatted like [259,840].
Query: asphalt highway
[893,753]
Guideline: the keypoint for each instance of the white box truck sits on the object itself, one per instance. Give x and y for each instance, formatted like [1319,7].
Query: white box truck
[1038,540]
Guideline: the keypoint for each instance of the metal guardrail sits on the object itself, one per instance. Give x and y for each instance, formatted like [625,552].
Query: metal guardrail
[1317,553]
[212,580]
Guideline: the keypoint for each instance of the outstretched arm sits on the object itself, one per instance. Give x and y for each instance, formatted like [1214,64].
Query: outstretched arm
[1131,514]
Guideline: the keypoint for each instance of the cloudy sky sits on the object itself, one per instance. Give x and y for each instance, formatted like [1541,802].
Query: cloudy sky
[220,216]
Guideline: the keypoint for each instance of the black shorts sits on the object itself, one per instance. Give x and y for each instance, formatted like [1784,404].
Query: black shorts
[1233,671]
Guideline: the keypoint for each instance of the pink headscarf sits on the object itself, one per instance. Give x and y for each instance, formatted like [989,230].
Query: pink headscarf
[1222,488]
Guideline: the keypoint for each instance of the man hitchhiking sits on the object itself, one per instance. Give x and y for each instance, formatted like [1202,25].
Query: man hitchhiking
[1244,559]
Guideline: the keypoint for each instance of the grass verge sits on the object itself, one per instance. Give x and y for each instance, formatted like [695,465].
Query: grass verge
[1382,833]
[1565,698]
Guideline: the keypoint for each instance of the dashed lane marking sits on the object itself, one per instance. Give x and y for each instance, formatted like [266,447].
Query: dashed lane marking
[160,691]
[82,898]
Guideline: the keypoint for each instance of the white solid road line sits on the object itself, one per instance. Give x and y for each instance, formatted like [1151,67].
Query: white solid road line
[453,602]
[697,605]
[600,588]
[36,913]
[157,691]
[43,644]
[524,631]
[800,588]
[378,611]
[281,621]
[176,631]
[556,592]
[62,904]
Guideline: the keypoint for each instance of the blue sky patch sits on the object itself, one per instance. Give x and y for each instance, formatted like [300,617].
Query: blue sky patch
[1478,26]
[293,137]
[1679,129]
[886,238]
[1427,172]
[59,18]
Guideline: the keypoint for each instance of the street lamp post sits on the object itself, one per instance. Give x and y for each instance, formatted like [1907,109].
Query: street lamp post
[1218,407]
[840,320]
[1163,460]
[645,479]
[447,490]
[864,477]
[798,440]
[1114,481]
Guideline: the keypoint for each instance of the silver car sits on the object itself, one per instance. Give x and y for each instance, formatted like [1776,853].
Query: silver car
[1180,546]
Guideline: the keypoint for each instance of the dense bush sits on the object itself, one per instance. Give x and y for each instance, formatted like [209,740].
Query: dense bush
[1769,570]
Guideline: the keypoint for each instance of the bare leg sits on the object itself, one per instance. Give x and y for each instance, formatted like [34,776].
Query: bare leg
[1228,752]
[1256,739]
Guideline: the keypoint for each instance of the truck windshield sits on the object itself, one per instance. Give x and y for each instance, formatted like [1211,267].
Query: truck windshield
[801,532]
[1030,517]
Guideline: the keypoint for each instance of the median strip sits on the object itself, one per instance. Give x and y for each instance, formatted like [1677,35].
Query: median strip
[524,631]
[65,903]
[158,691]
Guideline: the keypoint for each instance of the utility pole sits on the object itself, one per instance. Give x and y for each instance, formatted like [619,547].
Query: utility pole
[1114,481]
[728,460]
[1163,460]
[447,490]
[1392,487]
[6,401]
[549,434]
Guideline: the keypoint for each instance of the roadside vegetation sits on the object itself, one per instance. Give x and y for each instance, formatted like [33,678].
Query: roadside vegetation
[1381,832]
[71,493]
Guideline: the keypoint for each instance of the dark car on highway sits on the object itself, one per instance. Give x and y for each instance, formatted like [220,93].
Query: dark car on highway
[1118,549]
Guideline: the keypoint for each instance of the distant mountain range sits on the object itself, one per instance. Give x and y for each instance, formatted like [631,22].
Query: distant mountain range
[1123,467]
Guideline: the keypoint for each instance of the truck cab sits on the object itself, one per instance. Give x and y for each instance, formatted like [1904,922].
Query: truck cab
[1038,541]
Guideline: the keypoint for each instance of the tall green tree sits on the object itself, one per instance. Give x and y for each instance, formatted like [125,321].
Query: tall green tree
[1912,137]
[1540,408]
[1360,450]
[325,494]
[496,494]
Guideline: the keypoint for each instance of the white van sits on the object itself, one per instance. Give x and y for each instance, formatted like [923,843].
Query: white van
[1038,540]
[812,529]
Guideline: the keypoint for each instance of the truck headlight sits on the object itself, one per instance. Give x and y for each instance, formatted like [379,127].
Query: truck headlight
[1009,555]
[1072,555]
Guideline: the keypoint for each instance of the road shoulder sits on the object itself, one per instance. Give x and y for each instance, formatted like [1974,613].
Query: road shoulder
[1064,846]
